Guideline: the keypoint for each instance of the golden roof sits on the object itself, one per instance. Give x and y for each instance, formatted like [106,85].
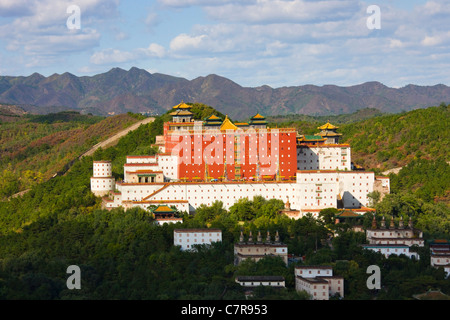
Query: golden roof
[258,116]
[327,126]
[163,208]
[227,125]
[213,117]
[182,105]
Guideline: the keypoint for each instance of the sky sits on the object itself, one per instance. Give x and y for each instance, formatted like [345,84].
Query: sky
[251,42]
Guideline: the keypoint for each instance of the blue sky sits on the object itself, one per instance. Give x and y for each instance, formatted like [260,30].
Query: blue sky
[252,42]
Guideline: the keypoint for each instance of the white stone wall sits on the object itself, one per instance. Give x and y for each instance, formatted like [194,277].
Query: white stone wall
[102,186]
[440,260]
[321,189]
[228,193]
[387,250]
[336,285]
[102,169]
[102,180]
[166,163]
[317,190]
[355,187]
[141,159]
[312,272]
[169,165]
[312,191]
[136,191]
[257,283]
[389,233]
[187,238]
[324,158]
[318,290]
[133,167]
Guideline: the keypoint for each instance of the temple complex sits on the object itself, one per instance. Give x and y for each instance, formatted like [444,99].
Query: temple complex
[216,159]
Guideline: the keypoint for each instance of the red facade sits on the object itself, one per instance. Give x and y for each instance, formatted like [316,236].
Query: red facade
[252,154]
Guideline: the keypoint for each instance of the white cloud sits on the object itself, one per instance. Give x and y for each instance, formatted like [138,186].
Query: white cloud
[437,39]
[109,56]
[14,8]
[115,56]
[41,30]
[191,3]
[276,11]
[184,42]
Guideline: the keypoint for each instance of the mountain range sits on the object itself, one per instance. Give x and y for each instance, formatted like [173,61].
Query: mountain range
[136,90]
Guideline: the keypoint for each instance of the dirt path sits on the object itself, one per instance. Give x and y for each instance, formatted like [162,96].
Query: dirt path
[115,138]
[394,171]
[106,143]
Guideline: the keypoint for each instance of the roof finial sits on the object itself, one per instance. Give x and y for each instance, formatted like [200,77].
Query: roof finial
[392,225]
[374,222]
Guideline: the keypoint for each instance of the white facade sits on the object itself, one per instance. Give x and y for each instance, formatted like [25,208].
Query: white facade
[166,163]
[322,189]
[141,159]
[318,282]
[316,288]
[161,222]
[187,238]
[256,281]
[440,256]
[406,236]
[441,260]
[169,165]
[324,157]
[319,190]
[102,181]
[388,250]
[312,191]
[313,271]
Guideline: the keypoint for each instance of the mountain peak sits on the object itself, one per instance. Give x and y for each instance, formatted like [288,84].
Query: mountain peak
[137,90]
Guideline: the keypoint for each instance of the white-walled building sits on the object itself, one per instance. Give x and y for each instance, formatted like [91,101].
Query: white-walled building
[318,282]
[256,281]
[391,249]
[323,179]
[102,182]
[395,239]
[324,189]
[259,248]
[188,238]
[394,235]
[440,255]
[324,157]
[311,192]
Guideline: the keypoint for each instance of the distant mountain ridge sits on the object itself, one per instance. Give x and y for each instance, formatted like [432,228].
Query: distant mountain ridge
[136,90]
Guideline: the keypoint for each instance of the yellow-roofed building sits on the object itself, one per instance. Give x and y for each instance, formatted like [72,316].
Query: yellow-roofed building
[227,125]
[328,131]
[182,105]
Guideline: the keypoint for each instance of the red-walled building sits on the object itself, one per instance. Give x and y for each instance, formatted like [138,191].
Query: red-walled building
[220,149]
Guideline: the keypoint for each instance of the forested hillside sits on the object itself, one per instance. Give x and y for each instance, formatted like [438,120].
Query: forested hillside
[387,141]
[36,147]
[124,255]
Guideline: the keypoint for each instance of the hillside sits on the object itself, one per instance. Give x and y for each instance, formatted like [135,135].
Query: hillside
[384,141]
[11,113]
[136,90]
[391,141]
[124,255]
[36,147]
